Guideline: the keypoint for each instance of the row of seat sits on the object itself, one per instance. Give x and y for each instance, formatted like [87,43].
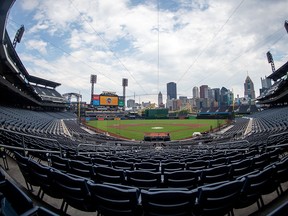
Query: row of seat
[190,163]
[215,198]
[147,175]
[211,159]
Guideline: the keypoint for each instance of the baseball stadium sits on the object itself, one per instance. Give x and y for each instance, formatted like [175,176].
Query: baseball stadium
[65,157]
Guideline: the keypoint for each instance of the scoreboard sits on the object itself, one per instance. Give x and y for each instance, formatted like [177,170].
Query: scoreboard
[106,100]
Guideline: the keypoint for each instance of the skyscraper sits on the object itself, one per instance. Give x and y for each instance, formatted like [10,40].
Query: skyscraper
[204,91]
[266,84]
[195,92]
[216,94]
[249,91]
[171,91]
[160,99]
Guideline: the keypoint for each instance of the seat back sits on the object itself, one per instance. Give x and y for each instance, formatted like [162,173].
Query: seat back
[113,200]
[123,165]
[260,161]
[23,164]
[172,166]
[215,174]
[220,199]
[42,175]
[218,162]
[168,202]
[148,166]
[282,170]
[197,165]
[81,169]
[241,168]
[62,164]
[18,200]
[98,161]
[74,191]
[181,179]
[108,174]
[255,185]
[143,179]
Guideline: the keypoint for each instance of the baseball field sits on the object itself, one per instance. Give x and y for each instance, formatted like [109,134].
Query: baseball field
[135,129]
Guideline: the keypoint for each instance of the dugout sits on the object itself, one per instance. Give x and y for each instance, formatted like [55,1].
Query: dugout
[151,137]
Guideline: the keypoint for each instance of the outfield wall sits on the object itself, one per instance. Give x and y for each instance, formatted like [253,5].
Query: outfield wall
[156,114]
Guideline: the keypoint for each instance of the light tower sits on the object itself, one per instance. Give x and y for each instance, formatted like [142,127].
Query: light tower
[271,61]
[124,84]
[286,25]
[18,36]
[93,80]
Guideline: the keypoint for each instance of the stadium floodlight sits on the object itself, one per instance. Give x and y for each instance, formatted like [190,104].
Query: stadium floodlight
[93,80]
[270,61]
[18,36]
[124,84]
[286,25]
[269,57]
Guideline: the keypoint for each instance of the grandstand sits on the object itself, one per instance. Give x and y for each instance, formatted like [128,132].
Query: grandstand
[53,166]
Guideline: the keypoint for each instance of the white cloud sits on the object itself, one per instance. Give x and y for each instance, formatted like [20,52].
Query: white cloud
[29,4]
[39,45]
[200,42]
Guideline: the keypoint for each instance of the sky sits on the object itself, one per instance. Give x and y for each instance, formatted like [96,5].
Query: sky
[150,43]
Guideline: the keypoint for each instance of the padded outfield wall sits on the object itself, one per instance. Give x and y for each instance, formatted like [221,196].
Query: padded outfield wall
[156,113]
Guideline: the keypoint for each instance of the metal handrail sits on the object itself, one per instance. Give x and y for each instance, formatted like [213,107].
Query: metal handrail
[275,135]
[23,135]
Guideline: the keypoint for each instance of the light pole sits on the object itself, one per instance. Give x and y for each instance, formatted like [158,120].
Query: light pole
[93,80]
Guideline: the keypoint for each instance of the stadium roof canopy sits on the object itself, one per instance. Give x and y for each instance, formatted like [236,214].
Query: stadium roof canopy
[44,82]
[280,72]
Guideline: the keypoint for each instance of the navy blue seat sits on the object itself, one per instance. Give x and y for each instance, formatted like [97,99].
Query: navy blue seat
[23,164]
[218,199]
[16,201]
[148,166]
[172,166]
[59,163]
[256,184]
[74,191]
[42,175]
[281,172]
[112,199]
[181,179]
[99,161]
[125,165]
[168,202]
[197,165]
[81,169]
[143,179]
[218,162]
[215,174]
[108,174]
[241,168]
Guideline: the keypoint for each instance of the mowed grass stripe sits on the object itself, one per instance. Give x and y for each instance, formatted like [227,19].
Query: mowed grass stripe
[135,129]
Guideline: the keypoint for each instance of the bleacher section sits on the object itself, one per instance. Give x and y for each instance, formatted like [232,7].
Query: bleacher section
[278,92]
[130,166]
[238,110]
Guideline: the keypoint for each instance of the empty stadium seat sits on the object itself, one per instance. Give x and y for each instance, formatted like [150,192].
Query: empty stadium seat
[114,199]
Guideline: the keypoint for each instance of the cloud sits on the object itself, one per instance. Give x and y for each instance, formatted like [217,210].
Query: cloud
[199,42]
[39,45]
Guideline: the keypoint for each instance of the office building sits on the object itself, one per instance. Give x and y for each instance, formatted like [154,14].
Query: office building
[249,91]
[171,91]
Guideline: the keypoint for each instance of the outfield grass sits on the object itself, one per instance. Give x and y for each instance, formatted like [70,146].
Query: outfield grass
[135,129]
